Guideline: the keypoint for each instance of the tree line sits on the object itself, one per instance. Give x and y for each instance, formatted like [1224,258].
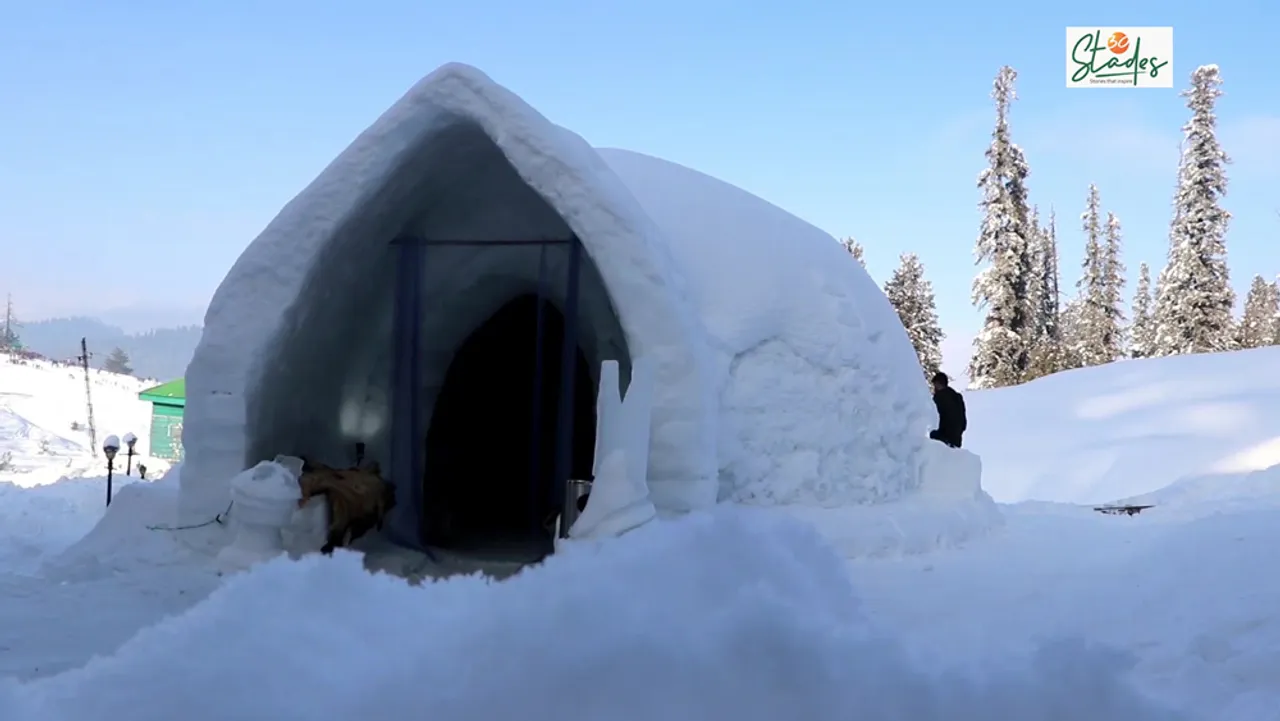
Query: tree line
[1032,328]
[11,343]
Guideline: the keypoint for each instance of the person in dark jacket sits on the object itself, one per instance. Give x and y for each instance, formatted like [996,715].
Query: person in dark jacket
[952,422]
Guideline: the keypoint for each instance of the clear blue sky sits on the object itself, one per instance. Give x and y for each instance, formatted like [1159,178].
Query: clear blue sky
[154,134]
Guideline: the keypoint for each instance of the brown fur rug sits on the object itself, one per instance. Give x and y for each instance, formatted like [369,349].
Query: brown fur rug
[358,499]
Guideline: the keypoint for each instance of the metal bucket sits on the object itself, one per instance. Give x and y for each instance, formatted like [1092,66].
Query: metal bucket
[574,492]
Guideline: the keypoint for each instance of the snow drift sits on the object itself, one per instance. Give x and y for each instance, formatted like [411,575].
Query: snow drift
[730,615]
[783,376]
[45,519]
[1130,428]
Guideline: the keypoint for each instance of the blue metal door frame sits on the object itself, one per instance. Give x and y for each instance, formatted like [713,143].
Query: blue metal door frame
[408,434]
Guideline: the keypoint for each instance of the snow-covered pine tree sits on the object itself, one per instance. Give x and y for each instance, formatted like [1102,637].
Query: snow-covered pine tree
[1113,283]
[1051,300]
[854,248]
[912,296]
[1142,330]
[1035,284]
[1275,332]
[1001,350]
[1088,286]
[1045,299]
[9,327]
[1100,333]
[1194,301]
[1258,322]
[1070,347]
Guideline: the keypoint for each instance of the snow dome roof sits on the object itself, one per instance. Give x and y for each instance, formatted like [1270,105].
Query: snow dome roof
[783,372]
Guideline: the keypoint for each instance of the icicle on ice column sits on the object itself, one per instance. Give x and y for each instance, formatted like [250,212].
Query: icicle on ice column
[263,501]
[619,500]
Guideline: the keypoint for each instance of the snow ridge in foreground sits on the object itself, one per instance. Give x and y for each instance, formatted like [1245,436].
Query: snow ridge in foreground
[732,614]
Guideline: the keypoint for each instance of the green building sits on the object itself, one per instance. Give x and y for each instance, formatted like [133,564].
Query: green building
[168,401]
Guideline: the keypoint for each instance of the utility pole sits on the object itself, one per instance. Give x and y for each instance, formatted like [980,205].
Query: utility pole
[88,395]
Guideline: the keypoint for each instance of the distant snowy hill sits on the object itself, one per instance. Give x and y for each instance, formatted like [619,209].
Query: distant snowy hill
[43,420]
[1183,428]
[162,353]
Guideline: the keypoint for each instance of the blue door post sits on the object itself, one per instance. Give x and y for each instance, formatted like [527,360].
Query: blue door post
[407,439]
[568,363]
[535,437]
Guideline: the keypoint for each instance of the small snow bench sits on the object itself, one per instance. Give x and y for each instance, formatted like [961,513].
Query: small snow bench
[1117,510]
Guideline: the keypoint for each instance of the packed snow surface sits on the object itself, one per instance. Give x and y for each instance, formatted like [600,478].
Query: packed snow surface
[93,577]
[1126,429]
[728,615]
[783,376]
[44,439]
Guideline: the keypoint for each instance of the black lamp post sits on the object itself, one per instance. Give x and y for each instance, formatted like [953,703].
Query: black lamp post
[129,441]
[109,448]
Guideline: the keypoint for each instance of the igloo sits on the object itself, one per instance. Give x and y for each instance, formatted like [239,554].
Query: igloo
[415,298]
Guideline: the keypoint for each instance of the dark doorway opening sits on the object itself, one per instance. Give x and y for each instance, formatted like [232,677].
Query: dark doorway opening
[481,490]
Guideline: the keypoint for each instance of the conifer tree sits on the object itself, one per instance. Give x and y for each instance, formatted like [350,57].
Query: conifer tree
[1086,331]
[1035,283]
[1194,298]
[1112,291]
[1142,331]
[854,248]
[9,326]
[1051,298]
[1071,352]
[1099,331]
[1275,332]
[1001,350]
[118,362]
[912,296]
[1258,323]
[1046,351]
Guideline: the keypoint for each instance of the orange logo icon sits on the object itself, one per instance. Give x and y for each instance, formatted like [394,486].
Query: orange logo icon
[1118,43]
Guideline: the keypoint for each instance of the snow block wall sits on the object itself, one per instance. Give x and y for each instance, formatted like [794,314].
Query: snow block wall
[782,373]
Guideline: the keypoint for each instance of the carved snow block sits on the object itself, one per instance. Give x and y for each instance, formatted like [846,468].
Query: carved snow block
[263,501]
[619,498]
[624,423]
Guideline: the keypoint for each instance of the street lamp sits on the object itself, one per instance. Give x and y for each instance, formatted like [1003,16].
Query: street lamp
[129,441]
[109,448]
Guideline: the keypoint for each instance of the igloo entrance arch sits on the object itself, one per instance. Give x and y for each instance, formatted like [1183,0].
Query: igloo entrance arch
[480,456]
[468,370]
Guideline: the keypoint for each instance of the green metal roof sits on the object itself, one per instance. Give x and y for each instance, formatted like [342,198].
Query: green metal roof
[173,393]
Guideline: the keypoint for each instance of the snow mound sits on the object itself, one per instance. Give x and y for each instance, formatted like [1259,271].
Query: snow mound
[1125,429]
[25,441]
[1216,492]
[42,520]
[1183,594]
[949,510]
[131,535]
[722,615]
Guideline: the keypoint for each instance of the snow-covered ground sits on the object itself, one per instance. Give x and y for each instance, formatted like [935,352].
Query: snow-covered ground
[1061,613]
[1101,434]
[44,439]
[44,418]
